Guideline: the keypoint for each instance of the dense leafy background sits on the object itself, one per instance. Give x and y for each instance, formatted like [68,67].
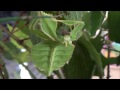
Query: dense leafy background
[66,42]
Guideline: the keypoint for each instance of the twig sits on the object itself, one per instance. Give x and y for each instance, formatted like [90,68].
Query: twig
[111,49]
[108,71]
[27,22]
[106,16]
[108,67]
[24,45]
[17,21]
[61,74]
[26,67]
[15,38]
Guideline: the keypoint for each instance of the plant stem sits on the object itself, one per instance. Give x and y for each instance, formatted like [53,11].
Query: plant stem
[106,17]
[61,74]
[111,49]
[108,71]
[26,67]
[108,66]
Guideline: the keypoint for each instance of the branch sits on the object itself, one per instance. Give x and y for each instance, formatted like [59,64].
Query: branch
[15,38]
[23,44]
[108,69]
[111,49]
[26,67]
[61,74]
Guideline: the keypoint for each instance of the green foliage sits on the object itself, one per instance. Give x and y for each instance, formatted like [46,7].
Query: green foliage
[96,20]
[69,22]
[74,15]
[64,42]
[81,65]
[35,31]
[93,54]
[86,18]
[76,32]
[21,35]
[8,50]
[24,56]
[113,25]
[50,56]
[49,26]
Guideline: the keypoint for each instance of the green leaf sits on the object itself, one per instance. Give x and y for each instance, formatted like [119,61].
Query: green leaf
[69,22]
[114,25]
[34,38]
[96,21]
[39,34]
[35,28]
[44,28]
[76,32]
[49,26]
[97,43]
[10,50]
[110,61]
[22,26]
[24,56]
[86,18]
[21,36]
[80,65]
[93,53]
[107,61]
[35,31]
[74,15]
[49,56]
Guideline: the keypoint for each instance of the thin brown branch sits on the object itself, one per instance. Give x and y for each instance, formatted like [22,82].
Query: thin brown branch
[111,49]
[108,68]
[61,73]
[23,44]
[27,22]
[15,38]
